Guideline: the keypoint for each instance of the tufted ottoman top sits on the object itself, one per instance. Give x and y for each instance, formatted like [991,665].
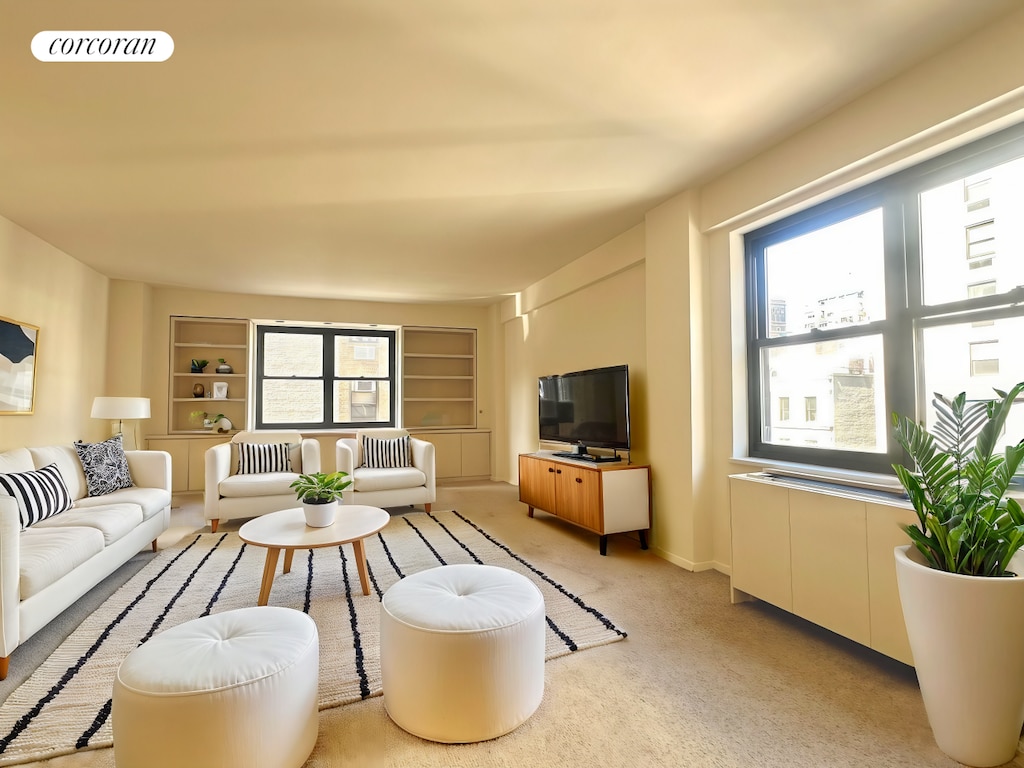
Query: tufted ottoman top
[219,651]
[463,598]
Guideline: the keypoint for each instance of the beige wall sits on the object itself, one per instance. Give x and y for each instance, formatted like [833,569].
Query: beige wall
[44,287]
[158,304]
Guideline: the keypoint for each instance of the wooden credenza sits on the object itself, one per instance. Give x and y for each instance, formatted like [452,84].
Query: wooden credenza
[604,498]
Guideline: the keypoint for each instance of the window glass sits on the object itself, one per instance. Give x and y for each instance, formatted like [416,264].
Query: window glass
[361,356]
[830,278]
[838,384]
[293,354]
[362,401]
[972,231]
[292,402]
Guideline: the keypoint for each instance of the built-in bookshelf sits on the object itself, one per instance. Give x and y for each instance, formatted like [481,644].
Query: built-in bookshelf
[438,378]
[207,338]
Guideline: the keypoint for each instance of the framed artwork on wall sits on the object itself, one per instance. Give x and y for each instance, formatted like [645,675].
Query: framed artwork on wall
[18,350]
[220,390]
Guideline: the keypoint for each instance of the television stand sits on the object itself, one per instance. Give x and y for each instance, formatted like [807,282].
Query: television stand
[601,497]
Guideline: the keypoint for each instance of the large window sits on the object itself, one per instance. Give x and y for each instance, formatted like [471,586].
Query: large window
[324,378]
[868,304]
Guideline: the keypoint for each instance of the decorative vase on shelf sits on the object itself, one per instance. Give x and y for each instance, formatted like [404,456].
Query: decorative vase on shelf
[198,390]
[224,367]
[320,515]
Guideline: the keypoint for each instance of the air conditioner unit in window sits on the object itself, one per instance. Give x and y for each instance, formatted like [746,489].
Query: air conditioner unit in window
[364,386]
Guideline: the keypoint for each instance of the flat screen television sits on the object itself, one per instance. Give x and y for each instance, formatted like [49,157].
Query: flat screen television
[586,408]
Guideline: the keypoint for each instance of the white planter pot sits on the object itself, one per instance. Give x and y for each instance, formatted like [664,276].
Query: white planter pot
[320,515]
[967,637]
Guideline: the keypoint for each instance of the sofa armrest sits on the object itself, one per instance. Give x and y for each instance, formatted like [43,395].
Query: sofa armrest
[10,569]
[423,459]
[310,455]
[150,469]
[217,468]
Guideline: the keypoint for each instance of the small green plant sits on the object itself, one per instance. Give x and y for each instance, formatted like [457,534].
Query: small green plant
[198,365]
[221,360]
[320,488]
[966,523]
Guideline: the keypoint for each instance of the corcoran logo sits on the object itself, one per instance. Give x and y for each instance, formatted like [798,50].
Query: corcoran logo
[79,45]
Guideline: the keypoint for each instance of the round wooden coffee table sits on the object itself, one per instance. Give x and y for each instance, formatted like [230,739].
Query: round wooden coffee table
[287,530]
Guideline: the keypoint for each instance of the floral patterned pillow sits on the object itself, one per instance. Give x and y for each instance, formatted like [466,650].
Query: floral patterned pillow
[105,465]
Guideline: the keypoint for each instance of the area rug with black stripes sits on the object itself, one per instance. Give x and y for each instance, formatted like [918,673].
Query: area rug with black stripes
[65,705]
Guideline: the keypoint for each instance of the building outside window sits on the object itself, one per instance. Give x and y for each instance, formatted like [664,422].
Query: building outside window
[783,409]
[324,378]
[860,304]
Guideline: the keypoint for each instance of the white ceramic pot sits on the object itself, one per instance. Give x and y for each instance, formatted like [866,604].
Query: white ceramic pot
[966,634]
[320,515]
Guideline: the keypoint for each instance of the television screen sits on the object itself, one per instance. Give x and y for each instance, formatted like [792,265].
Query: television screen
[586,407]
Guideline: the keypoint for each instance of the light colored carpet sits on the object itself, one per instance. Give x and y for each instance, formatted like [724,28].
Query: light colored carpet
[65,704]
[699,683]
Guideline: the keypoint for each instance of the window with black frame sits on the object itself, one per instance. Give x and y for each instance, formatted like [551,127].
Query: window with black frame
[868,304]
[324,378]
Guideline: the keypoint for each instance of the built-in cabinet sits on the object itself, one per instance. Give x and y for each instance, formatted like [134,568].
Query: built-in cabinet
[438,378]
[823,554]
[188,458]
[207,338]
[603,498]
[459,455]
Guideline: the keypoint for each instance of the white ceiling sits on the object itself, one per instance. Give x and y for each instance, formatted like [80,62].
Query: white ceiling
[437,150]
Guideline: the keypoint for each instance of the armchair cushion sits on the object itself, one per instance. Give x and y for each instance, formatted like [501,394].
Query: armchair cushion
[386,454]
[258,458]
[265,484]
[40,493]
[371,479]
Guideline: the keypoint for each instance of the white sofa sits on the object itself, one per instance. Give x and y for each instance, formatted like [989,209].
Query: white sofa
[48,566]
[388,487]
[228,495]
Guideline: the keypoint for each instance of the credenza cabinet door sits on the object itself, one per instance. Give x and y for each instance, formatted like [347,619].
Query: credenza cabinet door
[537,483]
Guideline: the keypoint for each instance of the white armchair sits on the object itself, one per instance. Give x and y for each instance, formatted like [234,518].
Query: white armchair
[229,495]
[388,487]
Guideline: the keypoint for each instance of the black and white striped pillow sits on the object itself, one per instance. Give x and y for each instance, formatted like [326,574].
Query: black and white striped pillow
[40,493]
[386,454]
[254,458]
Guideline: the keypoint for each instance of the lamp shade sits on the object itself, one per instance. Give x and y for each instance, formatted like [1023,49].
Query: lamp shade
[120,408]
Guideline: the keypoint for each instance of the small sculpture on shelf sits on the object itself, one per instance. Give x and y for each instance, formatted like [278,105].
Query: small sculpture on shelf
[199,365]
[198,390]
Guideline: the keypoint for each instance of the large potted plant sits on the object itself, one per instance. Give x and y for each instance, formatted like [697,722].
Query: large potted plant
[961,580]
[319,494]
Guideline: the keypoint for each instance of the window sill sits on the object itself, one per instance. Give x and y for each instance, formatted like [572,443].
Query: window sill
[841,477]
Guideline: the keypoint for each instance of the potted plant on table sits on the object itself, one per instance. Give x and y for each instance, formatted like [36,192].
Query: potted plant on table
[319,494]
[961,580]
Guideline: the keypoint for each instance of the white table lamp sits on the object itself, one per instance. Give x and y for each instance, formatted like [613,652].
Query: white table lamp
[120,408]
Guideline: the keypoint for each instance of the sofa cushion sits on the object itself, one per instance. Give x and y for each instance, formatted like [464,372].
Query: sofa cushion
[258,458]
[112,520]
[16,460]
[40,493]
[47,555]
[152,500]
[67,461]
[386,454]
[105,465]
[366,479]
[266,484]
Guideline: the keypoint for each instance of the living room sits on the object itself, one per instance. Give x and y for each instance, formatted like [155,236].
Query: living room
[664,295]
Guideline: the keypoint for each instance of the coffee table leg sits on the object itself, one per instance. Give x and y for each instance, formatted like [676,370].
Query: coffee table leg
[360,553]
[268,574]
[288,553]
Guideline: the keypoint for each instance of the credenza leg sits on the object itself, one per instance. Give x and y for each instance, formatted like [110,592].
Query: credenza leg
[529,511]
[643,539]
[604,544]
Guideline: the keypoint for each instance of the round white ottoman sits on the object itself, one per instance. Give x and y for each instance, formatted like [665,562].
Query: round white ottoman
[462,652]
[237,688]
